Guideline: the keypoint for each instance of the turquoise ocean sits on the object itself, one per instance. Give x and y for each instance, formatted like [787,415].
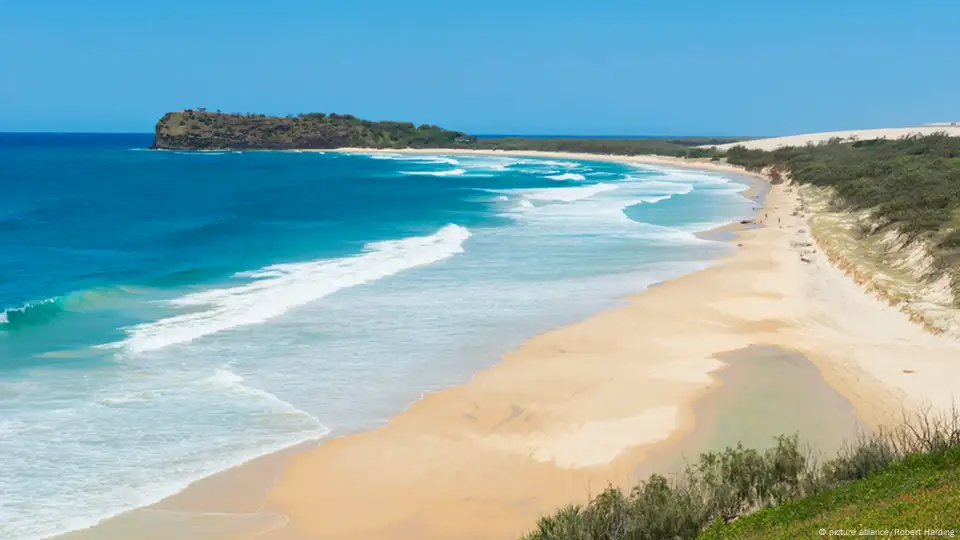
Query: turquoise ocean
[166,315]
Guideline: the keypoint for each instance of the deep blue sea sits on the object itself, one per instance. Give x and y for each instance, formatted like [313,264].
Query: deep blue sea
[166,315]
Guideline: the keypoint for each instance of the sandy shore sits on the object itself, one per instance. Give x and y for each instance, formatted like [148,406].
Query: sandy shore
[581,407]
[950,128]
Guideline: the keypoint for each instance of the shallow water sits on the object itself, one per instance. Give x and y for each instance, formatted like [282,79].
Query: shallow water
[764,392]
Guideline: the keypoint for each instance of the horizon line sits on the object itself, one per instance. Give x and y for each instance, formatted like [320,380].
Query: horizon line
[478,135]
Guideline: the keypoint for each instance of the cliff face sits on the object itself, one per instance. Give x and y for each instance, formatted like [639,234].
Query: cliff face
[201,130]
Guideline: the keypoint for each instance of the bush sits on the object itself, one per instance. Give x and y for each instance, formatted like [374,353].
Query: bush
[723,486]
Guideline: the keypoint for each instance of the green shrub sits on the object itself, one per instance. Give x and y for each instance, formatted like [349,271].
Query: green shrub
[712,496]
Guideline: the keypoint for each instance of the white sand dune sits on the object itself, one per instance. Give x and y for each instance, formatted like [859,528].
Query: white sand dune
[950,128]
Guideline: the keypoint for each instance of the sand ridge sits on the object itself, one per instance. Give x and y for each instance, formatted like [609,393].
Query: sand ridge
[949,128]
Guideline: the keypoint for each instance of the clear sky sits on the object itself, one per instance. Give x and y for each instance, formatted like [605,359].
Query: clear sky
[599,67]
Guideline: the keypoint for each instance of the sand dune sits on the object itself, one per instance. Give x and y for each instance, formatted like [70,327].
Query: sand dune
[950,128]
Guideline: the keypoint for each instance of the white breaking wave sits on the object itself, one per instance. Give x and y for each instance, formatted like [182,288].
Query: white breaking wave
[671,188]
[277,289]
[566,194]
[685,175]
[451,172]
[487,163]
[572,210]
[551,163]
[415,158]
[224,378]
[129,397]
[567,176]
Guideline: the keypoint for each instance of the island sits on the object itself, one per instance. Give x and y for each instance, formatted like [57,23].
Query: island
[203,130]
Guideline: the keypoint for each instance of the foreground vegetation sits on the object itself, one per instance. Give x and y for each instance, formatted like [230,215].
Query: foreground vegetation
[905,478]
[920,492]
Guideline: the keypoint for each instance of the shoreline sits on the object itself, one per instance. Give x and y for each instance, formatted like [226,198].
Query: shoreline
[263,469]
[476,436]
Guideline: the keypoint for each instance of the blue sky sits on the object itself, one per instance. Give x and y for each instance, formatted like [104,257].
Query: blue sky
[597,67]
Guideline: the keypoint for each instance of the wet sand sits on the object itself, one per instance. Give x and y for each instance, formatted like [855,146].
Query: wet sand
[225,506]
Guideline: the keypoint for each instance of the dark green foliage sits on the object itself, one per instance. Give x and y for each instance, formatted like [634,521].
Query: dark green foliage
[912,182]
[921,491]
[656,509]
[203,130]
[681,147]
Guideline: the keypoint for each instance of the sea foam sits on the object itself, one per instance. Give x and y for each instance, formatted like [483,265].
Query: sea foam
[566,176]
[278,288]
[567,194]
[425,159]
[601,207]
[450,172]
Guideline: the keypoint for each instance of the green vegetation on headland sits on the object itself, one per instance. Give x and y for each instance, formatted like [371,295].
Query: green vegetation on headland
[907,479]
[909,186]
[204,130]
